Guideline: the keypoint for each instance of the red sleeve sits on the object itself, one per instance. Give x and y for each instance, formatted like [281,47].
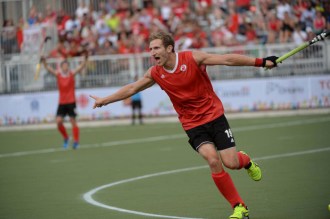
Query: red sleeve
[153,72]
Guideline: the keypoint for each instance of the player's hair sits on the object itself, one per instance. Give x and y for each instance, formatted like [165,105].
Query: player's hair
[166,38]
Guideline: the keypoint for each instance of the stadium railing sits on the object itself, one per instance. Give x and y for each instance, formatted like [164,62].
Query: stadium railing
[17,74]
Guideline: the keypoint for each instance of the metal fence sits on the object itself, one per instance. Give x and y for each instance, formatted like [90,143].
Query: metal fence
[17,75]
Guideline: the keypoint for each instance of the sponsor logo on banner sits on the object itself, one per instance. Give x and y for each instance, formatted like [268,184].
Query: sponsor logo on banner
[240,92]
[325,84]
[34,104]
[82,100]
[272,87]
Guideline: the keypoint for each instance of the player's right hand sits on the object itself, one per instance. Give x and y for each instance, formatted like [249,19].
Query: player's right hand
[98,101]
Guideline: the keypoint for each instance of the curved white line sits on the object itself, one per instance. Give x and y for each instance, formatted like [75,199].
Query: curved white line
[88,195]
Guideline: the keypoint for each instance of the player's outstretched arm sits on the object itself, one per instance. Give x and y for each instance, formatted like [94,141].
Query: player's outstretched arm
[82,65]
[126,91]
[47,67]
[203,58]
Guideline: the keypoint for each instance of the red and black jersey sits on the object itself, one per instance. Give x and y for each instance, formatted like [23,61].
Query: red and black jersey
[66,87]
[190,91]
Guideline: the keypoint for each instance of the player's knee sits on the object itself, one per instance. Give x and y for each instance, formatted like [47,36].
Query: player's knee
[214,163]
[59,120]
[231,164]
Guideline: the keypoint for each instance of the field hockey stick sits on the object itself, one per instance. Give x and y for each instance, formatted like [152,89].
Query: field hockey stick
[318,38]
[42,50]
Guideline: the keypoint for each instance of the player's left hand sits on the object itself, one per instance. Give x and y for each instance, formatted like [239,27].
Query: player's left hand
[98,101]
[270,62]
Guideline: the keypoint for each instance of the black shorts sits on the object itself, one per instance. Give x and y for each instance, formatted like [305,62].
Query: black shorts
[136,104]
[67,109]
[216,132]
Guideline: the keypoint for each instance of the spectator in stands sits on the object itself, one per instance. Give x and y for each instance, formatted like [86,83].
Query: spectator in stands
[223,37]
[145,18]
[179,7]
[319,23]
[103,30]
[216,19]
[282,7]
[232,21]
[173,22]
[89,38]
[243,5]
[327,14]
[72,24]
[126,21]
[19,34]
[200,38]
[310,33]
[32,19]
[112,20]
[299,35]
[308,15]
[299,7]
[273,27]
[260,27]
[82,9]
[8,37]
[107,48]
[165,10]
[251,35]
[61,19]
[124,43]
[287,27]
[50,15]
[224,20]
[200,16]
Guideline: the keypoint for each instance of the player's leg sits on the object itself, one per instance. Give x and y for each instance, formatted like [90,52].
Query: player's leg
[140,112]
[233,159]
[75,132]
[62,130]
[225,143]
[133,112]
[75,129]
[60,114]
[201,141]
[220,177]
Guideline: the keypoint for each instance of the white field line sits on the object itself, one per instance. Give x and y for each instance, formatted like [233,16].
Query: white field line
[166,137]
[89,199]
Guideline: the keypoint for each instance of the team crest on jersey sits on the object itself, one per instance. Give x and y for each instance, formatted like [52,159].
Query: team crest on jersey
[162,76]
[183,67]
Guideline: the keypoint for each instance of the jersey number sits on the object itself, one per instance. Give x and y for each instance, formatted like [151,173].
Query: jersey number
[229,133]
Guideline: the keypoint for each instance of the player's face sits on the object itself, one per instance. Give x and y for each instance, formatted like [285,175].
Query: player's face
[65,67]
[158,52]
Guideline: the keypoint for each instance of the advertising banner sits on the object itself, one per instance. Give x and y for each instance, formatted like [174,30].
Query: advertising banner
[236,95]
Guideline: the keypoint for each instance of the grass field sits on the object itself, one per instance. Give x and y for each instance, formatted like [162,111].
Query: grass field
[39,180]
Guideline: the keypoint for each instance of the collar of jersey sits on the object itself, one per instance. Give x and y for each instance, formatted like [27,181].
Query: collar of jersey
[176,64]
[64,75]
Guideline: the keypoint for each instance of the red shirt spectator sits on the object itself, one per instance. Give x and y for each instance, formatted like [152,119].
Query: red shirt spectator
[180,7]
[233,22]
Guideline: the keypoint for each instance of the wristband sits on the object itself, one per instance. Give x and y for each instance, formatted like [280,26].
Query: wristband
[258,62]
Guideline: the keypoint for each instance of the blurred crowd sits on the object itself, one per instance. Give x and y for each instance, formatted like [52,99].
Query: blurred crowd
[122,26]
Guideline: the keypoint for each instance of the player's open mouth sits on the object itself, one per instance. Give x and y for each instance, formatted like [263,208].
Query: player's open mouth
[157,59]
